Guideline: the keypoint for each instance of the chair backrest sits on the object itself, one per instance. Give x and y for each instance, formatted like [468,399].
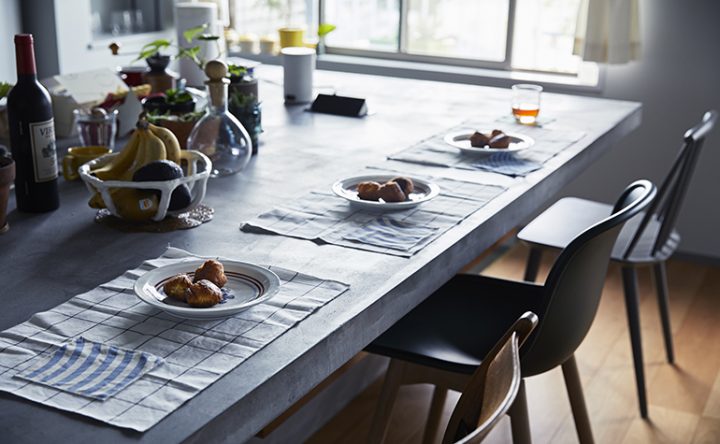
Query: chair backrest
[574,285]
[492,388]
[668,202]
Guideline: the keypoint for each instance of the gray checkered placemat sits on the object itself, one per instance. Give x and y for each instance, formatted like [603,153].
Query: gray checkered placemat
[322,216]
[195,353]
[435,151]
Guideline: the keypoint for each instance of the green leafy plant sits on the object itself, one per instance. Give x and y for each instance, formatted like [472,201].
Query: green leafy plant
[155,117]
[176,97]
[4,89]
[325,29]
[194,34]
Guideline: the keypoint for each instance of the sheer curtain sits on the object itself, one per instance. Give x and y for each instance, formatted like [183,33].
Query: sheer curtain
[608,31]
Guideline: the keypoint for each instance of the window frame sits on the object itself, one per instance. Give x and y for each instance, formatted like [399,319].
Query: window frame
[401,53]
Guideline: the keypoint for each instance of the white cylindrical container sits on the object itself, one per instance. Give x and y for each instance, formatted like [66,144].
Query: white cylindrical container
[298,67]
[190,15]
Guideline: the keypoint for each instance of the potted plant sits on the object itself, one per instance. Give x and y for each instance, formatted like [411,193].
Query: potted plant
[243,101]
[7,176]
[4,127]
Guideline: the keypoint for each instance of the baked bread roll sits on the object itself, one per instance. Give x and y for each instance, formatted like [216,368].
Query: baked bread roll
[203,294]
[391,192]
[368,190]
[212,271]
[406,184]
[479,140]
[177,286]
[500,141]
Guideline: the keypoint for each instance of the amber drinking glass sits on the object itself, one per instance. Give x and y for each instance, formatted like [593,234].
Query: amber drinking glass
[526,103]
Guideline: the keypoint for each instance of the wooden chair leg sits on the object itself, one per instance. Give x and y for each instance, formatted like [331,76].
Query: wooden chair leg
[519,421]
[577,401]
[383,411]
[663,302]
[533,264]
[633,314]
[436,410]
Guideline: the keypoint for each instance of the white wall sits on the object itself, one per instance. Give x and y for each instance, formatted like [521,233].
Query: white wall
[9,26]
[677,79]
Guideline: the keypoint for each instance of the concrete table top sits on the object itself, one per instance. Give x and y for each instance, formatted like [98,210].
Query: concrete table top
[48,258]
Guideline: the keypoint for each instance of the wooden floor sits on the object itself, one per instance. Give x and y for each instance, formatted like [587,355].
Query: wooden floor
[684,399]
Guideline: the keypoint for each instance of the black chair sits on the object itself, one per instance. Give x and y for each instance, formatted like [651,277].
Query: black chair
[452,331]
[492,389]
[648,240]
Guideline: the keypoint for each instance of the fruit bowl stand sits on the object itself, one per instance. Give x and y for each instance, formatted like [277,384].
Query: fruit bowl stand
[199,167]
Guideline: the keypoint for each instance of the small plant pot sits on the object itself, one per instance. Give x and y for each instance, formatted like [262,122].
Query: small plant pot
[180,128]
[7,176]
[291,37]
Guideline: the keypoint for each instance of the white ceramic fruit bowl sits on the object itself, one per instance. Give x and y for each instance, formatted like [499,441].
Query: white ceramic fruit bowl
[196,171]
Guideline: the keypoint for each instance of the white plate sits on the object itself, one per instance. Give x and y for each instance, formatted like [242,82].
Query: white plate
[461,140]
[247,285]
[347,189]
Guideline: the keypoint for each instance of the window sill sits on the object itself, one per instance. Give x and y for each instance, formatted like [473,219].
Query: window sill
[445,73]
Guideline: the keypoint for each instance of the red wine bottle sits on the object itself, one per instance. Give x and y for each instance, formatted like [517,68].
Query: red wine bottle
[32,135]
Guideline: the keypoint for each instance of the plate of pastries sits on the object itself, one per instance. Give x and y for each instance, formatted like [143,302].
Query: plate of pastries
[488,141]
[206,289]
[385,192]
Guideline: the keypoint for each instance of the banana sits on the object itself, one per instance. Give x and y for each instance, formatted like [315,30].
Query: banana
[121,162]
[150,149]
[172,146]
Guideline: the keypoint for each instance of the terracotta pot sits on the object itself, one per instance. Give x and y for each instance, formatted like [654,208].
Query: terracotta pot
[180,129]
[7,176]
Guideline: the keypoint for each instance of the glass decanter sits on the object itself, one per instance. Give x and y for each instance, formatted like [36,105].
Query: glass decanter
[218,134]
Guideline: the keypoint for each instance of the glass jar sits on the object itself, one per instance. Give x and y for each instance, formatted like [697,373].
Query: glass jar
[218,134]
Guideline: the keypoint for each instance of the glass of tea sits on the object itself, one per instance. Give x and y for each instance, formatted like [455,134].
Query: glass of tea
[526,102]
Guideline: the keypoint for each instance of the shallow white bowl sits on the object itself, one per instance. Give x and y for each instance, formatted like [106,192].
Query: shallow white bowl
[248,284]
[347,189]
[461,140]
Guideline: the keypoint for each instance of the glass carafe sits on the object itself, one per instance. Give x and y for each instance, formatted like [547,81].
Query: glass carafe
[218,134]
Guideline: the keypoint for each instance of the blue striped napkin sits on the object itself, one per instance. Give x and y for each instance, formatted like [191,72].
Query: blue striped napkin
[388,232]
[507,163]
[89,369]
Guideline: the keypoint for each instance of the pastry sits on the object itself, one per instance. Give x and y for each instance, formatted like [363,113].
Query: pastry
[368,190]
[176,286]
[213,271]
[391,192]
[479,140]
[500,141]
[203,294]
[406,184]
[495,133]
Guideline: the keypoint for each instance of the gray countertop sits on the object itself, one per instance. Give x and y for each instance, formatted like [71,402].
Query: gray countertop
[48,258]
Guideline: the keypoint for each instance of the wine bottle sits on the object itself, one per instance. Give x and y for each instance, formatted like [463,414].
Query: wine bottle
[32,135]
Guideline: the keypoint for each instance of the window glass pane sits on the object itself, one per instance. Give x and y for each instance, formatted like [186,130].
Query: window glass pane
[363,24]
[544,35]
[265,17]
[470,29]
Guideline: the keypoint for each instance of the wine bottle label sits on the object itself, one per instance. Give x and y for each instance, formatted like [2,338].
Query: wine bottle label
[42,139]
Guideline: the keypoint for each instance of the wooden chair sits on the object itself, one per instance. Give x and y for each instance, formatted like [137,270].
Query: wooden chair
[492,389]
[447,337]
[648,240]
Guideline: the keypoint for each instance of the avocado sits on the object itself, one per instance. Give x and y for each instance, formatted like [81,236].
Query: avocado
[180,198]
[157,171]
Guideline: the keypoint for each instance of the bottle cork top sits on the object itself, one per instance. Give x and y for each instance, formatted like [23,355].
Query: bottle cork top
[216,70]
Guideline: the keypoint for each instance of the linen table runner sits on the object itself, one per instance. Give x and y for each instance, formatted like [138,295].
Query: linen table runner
[194,353]
[437,152]
[322,216]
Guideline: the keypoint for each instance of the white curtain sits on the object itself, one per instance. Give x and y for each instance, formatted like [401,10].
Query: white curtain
[608,31]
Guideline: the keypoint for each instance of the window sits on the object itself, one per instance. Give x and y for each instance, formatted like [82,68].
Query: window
[532,35]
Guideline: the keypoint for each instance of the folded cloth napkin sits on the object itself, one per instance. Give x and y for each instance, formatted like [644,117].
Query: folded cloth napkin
[508,164]
[88,368]
[391,233]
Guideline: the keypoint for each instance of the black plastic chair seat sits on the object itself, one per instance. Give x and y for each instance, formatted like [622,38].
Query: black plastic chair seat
[458,324]
[568,217]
